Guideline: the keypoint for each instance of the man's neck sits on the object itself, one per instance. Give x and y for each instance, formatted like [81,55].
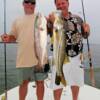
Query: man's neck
[29,13]
[65,14]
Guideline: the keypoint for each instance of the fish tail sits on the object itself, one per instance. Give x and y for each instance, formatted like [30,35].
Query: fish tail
[57,79]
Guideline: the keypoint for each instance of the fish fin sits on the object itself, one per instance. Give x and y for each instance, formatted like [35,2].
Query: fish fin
[3,98]
[66,60]
[63,81]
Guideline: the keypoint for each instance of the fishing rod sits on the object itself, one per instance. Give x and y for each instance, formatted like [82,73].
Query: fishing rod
[89,53]
[5,50]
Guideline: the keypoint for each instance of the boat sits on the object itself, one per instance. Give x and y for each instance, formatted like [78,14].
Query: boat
[86,93]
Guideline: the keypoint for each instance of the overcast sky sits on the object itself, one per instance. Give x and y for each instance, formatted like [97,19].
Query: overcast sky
[92,7]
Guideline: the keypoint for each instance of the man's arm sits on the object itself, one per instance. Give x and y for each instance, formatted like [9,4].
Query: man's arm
[85,28]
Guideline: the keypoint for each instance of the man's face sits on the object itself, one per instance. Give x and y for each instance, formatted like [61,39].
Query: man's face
[62,4]
[29,7]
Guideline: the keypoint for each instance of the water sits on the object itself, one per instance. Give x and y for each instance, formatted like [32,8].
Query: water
[12,73]
[11,69]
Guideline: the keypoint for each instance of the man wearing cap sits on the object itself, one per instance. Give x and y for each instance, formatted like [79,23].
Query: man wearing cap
[75,31]
[23,31]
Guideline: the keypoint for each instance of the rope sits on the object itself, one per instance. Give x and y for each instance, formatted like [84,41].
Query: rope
[89,53]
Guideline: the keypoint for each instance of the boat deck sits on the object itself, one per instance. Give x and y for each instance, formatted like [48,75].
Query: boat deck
[86,93]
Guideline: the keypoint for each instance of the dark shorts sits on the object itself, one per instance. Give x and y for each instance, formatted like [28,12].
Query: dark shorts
[30,74]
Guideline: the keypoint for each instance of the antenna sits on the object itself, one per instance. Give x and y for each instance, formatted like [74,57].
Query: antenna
[5,50]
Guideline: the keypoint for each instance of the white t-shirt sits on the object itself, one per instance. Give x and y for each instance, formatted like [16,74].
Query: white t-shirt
[23,30]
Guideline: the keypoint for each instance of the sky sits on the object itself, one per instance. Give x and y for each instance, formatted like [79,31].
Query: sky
[14,9]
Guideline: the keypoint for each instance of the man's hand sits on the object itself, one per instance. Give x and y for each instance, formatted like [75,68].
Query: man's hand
[51,17]
[38,68]
[39,65]
[8,38]
[5,38]
[86,28]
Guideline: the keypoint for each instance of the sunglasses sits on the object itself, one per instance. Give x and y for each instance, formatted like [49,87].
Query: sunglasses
[33,3]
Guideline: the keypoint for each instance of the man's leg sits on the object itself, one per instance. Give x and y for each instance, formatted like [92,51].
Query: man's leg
[75,92]
[57,94]
[40,90]
[23,90]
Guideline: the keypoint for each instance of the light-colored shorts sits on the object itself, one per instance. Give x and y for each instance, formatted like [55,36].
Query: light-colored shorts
[30,74]
[74,74]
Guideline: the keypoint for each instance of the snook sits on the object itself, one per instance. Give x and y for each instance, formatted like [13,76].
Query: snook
[40,37]
[59,53]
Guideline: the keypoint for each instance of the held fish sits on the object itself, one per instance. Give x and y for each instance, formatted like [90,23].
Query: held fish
[40,38]
[59,52]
